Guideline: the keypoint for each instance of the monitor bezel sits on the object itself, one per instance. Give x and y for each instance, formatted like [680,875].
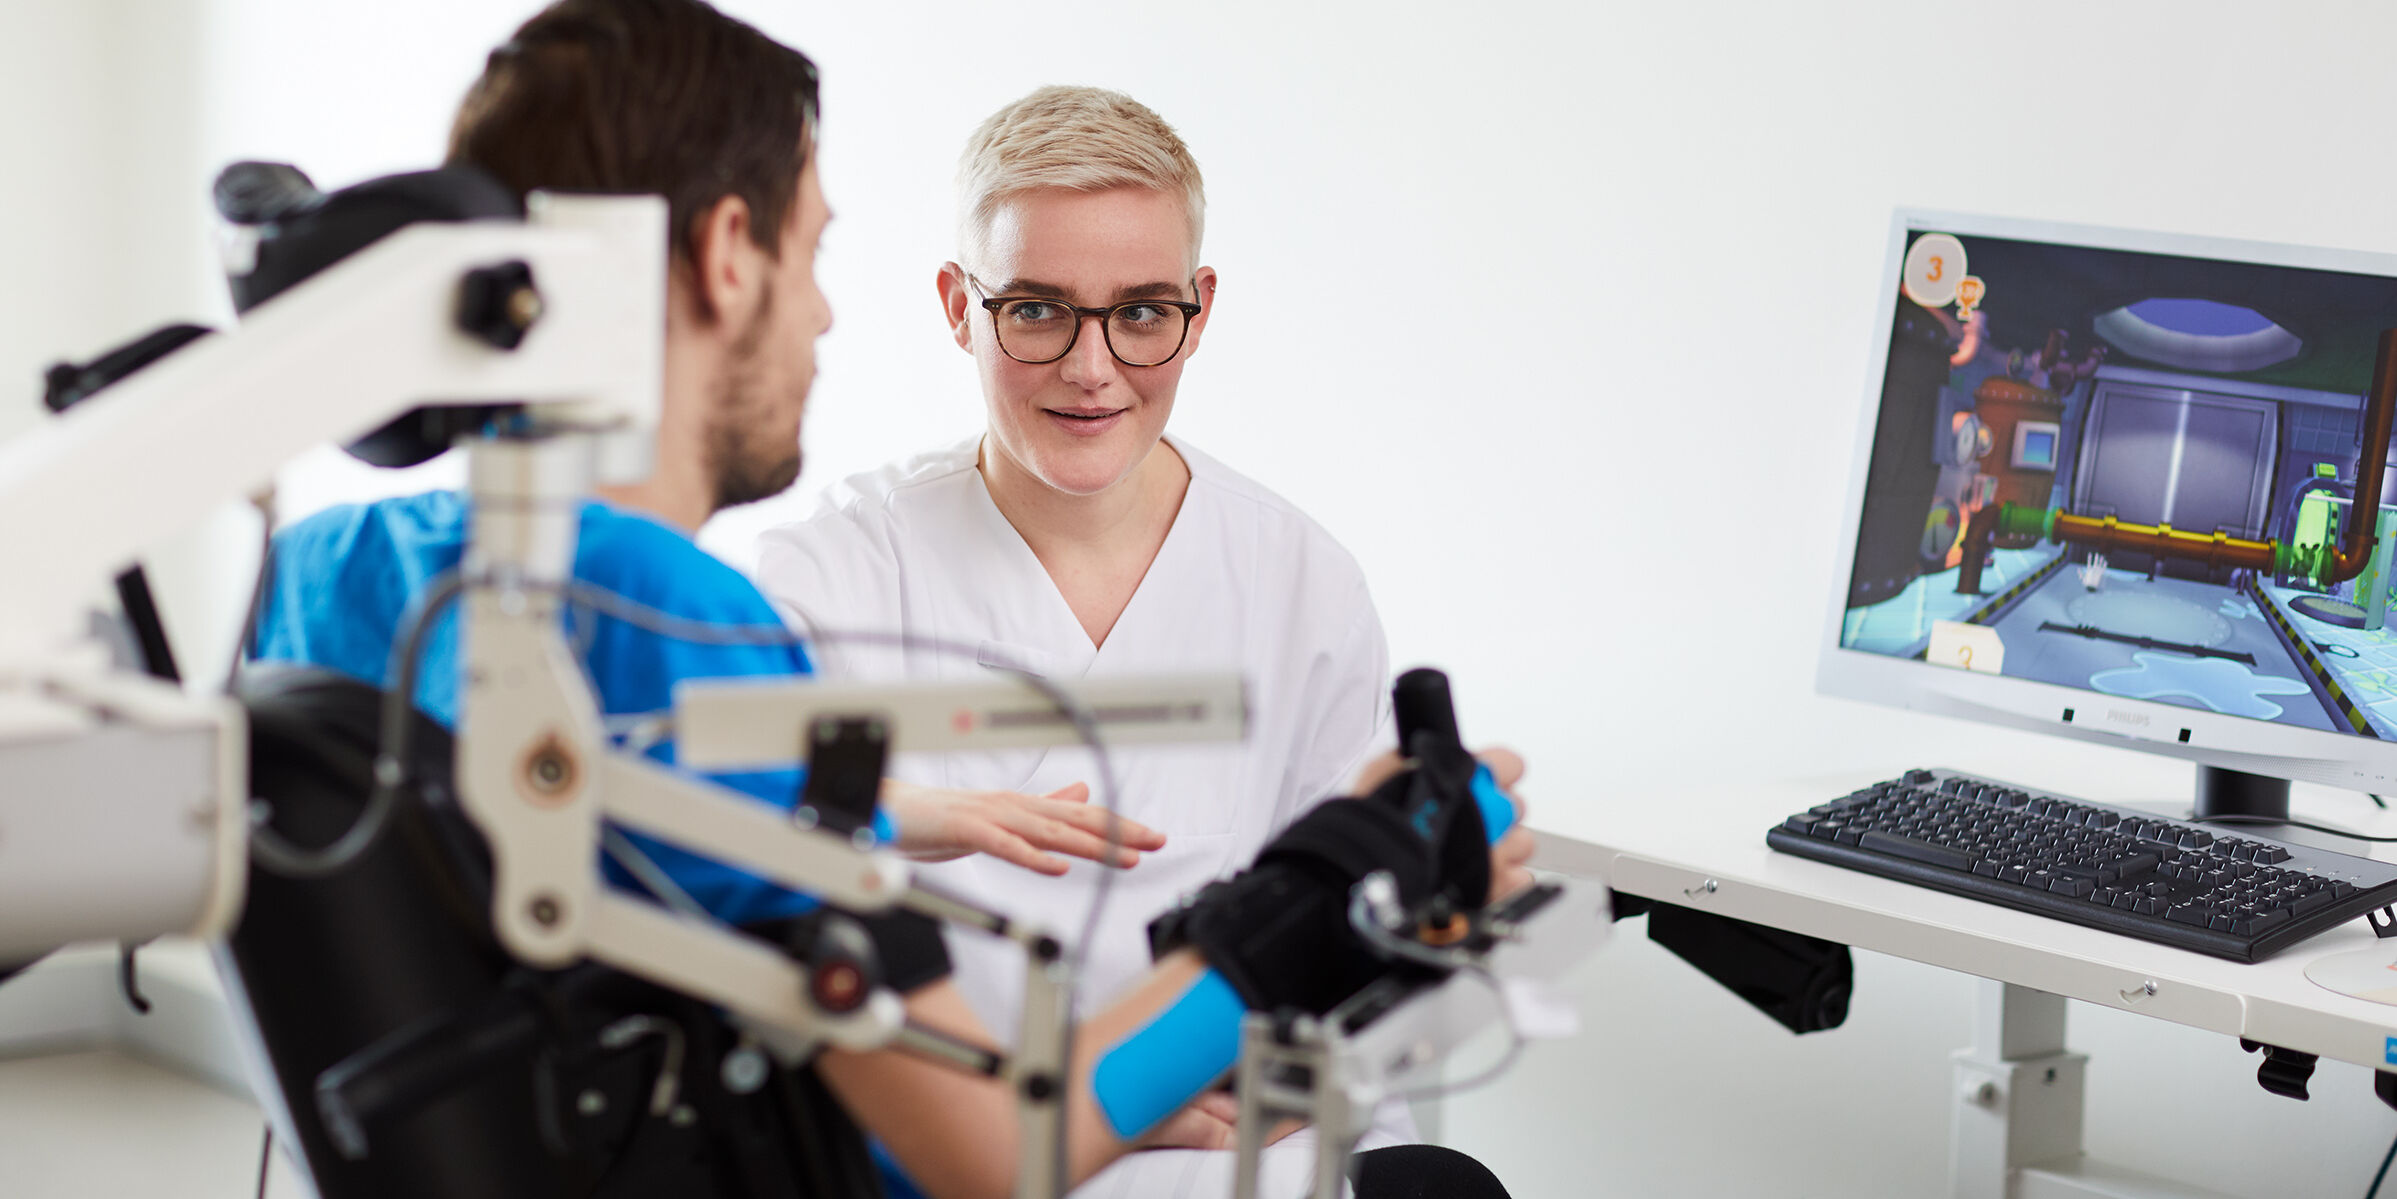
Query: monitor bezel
[2213,739]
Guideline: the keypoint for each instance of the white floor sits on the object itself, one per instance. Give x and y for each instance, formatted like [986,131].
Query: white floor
[98,1123]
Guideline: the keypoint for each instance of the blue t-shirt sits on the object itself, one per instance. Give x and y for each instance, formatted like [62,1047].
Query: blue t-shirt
[344,580]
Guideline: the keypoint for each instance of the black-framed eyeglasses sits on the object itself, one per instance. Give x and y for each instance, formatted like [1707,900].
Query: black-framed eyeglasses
[1041,329]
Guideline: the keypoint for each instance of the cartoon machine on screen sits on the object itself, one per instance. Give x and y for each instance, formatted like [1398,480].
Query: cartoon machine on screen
[2191,504]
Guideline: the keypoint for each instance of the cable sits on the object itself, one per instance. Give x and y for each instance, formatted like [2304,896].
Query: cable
[391,752]
[266,1158]
[127,980]
[2384,1171]
[651,875]
[2318,828]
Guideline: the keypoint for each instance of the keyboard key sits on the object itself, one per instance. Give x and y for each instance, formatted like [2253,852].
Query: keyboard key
[1916,851]
[2271,855]
[2136,863]
[2187,913]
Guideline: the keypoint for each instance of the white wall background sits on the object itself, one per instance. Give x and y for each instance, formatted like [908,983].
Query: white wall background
[1612,268]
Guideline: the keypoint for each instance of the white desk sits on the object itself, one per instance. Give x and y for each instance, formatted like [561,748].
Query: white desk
[2018,1098]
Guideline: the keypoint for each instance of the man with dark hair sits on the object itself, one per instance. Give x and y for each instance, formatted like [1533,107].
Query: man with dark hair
[671,97]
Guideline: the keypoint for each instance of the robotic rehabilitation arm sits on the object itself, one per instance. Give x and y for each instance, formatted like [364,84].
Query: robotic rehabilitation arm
[126,800]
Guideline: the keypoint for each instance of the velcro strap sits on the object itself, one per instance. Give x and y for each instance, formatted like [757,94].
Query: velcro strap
[1279,931]
[1435,804]
[1346,840]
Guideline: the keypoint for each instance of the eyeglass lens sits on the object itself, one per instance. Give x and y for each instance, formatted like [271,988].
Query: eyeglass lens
[1043,330]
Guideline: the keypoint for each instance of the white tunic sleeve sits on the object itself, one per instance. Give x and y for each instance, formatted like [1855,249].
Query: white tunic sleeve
[834,575]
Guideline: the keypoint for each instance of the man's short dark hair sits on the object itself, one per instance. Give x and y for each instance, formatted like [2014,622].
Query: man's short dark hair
[668,97]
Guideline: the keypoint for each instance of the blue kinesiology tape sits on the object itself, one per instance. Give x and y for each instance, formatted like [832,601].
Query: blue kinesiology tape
[1497,811]
[1149,1075]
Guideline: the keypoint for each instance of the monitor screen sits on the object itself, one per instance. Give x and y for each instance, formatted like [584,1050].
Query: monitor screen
[2117,484]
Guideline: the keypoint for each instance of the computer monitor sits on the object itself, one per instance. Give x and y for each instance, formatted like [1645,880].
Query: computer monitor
[2132,488]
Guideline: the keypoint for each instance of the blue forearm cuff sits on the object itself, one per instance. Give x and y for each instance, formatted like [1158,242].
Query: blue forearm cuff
[1497,811]
[1149,1075]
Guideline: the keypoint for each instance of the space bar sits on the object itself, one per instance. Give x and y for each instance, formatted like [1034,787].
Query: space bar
[1919,851]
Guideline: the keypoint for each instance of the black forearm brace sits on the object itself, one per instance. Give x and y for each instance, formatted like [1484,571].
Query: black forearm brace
[1279,931]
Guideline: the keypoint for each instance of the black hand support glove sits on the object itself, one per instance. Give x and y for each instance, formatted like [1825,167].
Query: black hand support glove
[1279,932]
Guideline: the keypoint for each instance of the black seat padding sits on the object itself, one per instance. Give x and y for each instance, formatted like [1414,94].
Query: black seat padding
[390,962]
[331,965]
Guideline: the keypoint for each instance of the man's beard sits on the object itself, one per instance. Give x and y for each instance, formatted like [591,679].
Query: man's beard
[745,468]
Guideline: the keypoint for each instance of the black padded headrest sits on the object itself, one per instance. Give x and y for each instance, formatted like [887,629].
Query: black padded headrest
[301,230]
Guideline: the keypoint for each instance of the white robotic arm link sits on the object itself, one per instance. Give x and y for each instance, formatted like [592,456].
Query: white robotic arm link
[122,806]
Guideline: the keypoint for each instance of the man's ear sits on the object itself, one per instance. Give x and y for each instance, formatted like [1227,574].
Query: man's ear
[957,305]
[729,268]
[1205,279]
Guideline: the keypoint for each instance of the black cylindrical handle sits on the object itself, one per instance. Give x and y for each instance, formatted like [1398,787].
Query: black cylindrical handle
[1421,702]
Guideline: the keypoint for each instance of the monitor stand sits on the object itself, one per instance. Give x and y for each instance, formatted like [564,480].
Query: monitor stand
[2223,792]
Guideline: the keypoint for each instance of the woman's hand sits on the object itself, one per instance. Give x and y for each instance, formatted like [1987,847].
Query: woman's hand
[937,824]
[1210,1121]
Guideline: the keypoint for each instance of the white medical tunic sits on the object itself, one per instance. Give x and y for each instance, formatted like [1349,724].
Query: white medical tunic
[1243,582]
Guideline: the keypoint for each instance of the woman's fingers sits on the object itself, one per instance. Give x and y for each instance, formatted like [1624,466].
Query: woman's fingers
[1219,1104]
[1191,1128]
[1505,764]
[1061,837]
[1008,847]
[1094,821]
[1509,862]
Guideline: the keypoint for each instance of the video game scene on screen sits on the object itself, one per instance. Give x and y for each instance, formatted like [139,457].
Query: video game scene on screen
[2141,474]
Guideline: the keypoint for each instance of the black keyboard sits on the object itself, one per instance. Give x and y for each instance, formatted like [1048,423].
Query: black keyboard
[2229,894]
